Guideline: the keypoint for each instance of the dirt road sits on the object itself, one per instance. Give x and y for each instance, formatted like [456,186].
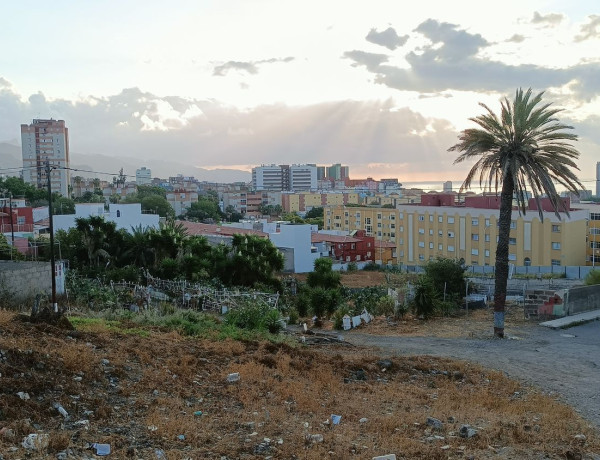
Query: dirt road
[563,361]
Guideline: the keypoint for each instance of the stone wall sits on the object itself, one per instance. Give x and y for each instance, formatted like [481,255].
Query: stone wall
[20,281]
[544,303]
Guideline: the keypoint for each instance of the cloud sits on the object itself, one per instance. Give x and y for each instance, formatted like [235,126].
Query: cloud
[590,30]
[173,131]
[250,67]
[452,62]
[5,83]
[371,61]
[388,38]
[516,38]
[548,20]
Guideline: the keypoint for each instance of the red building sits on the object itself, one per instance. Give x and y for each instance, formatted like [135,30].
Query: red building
[19,220]
[357,247]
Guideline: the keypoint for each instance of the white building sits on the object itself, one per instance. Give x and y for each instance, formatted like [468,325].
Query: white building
[46,141]
[126,216]
[143,176]
[285,177]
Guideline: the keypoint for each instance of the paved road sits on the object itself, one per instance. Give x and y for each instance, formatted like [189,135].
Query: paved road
[565,361]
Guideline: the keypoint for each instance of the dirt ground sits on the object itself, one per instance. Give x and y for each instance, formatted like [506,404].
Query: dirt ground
[167,396]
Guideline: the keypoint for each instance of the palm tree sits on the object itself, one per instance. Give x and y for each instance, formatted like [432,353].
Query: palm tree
[525,149]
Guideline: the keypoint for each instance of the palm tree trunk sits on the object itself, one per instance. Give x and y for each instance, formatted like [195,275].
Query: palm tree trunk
[506,198]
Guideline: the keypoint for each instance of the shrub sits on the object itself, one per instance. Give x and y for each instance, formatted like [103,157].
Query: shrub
[449,272]
[254,316]
[446,307]
[384,306]
[425,299]
[593,277]
[338,316]
[367,298]
[352,267]
[401,309]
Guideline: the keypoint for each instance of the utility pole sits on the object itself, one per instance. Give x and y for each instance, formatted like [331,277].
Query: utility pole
[52,261]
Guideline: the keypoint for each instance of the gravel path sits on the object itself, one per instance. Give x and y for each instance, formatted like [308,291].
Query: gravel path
[564,361]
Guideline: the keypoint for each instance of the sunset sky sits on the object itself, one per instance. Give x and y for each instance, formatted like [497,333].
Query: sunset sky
[382,86]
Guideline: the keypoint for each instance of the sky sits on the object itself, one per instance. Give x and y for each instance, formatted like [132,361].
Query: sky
[382,86]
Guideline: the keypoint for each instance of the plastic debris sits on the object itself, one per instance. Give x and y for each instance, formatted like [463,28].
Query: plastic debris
[101,449]
[61,409]
[24,396]
[198,413]
[235,377]
[35,441]
[160,454]
[181,437]
[336,419]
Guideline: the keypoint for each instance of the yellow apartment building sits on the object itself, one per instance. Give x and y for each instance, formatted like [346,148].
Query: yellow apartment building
[593,232]
[422,233]
[304,201]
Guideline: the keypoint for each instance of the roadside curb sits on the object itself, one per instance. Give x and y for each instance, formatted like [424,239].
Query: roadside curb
[568,321]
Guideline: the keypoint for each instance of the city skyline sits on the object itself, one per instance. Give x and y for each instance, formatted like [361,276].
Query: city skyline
[240,84]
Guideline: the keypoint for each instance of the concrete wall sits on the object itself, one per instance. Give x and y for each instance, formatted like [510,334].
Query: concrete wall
[582,298]
[23,280]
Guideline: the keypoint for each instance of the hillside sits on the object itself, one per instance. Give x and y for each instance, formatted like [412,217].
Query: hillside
[153,393]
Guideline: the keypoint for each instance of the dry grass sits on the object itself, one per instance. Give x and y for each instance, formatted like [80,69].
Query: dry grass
[145,395]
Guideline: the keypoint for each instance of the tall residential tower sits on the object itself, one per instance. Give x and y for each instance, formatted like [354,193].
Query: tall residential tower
[46,141]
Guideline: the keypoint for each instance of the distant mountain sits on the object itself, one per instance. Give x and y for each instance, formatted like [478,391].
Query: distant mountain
[10,157]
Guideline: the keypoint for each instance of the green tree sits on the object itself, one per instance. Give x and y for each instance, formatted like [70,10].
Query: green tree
[205,208]
[63,205]
[138,250]
[426,297]
[98,237]
[449,273]
[157,205]
[324,287]
[254,260]
[524,149]
[314,213]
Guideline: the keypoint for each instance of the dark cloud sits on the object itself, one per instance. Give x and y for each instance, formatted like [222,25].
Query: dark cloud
[172,131]
[589,30]
[250,67]
[548,20]
[516,38]
[388,38]
[456,65]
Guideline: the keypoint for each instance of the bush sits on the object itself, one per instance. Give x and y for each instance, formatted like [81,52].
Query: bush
[338,316]
[400,310]
[254,316]
[384,306]
[446,307]
[352,267]
[593,277]
[425,299]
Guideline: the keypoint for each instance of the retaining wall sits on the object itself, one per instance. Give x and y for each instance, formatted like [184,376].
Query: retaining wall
[20,281]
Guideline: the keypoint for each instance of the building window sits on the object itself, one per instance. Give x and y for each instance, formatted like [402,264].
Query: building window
[118,213]
[555,262]
[474,221]
[392,235]
[440,233]
[440,247]
[556,228]
[401,215]
[401,241]
[450,248]
[431,231]
[392,225]
[512,257]
[487,222]
[487,252]
[593,244]
[440,219]
[474,252]
[512,241]
[513,224]
[594,216]
[421,231]
[475,236]
[421,257]
[450,220]
[421,218]
[450,234]
[556,246]
[379,216]
[430,245]
[401,229]
[367,221]
[595,231]
[527,262]
[487,238]
[421,244]
[430,218]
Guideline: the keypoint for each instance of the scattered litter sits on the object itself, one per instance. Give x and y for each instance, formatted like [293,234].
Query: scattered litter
[61,409]
[181,437]
[101,449]
[569,336]
[160,454]
[35,441]
[316,438]
[386,457]
[363,420]
[24,396]
[336,419]
[198,413]
[235,377]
